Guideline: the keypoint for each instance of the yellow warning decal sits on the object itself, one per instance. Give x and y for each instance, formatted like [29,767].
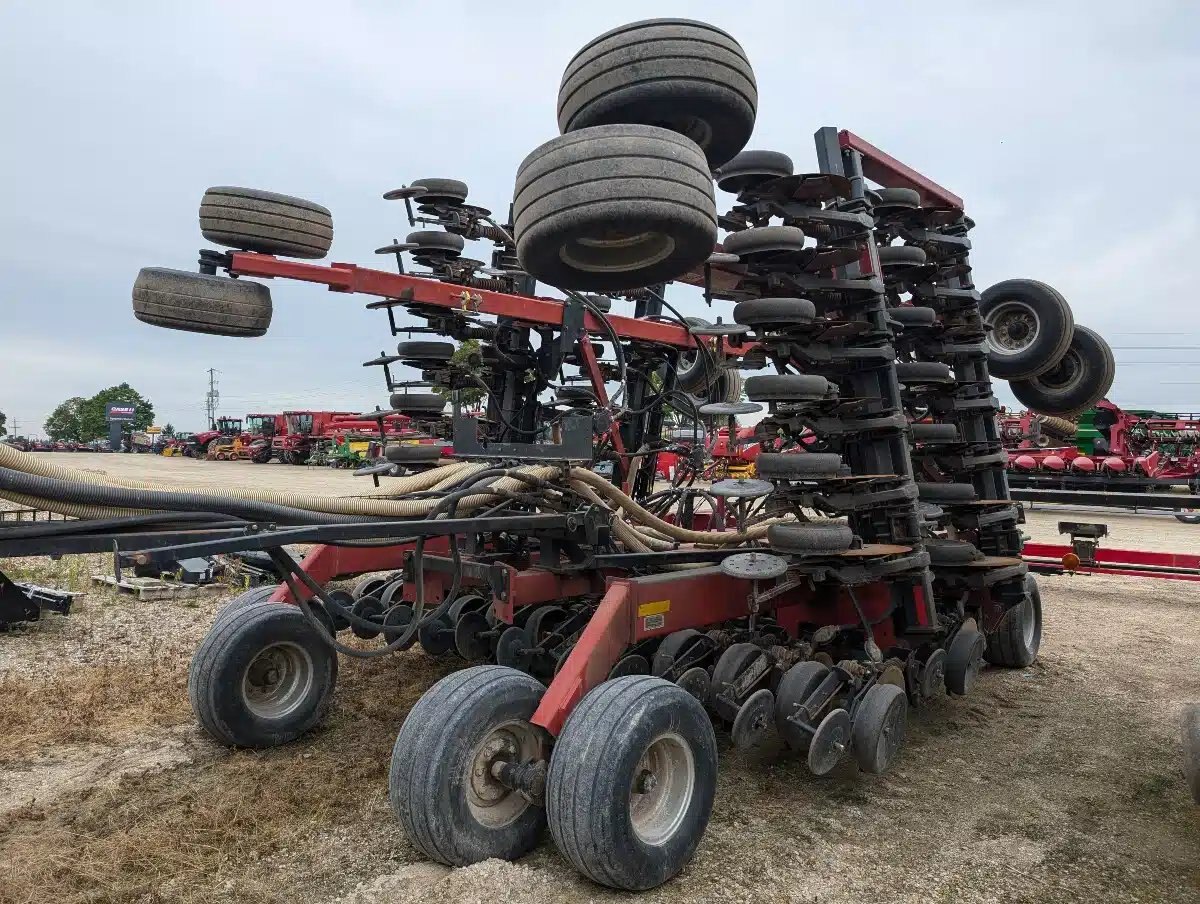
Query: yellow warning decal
[655,607]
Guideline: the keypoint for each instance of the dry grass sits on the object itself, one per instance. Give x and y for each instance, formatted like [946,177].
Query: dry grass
[151,837]
[79,704]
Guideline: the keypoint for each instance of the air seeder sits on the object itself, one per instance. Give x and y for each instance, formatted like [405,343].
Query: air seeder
[614,623]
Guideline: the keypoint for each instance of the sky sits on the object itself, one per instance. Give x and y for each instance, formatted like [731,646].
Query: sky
[1068,128]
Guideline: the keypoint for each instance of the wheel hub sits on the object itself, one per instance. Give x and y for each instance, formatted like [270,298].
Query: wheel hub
[1014,326]
[614,251]
[662,789]
[490,792]
[278,680]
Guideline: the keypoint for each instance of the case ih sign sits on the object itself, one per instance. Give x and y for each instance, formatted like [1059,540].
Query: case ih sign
[120,411]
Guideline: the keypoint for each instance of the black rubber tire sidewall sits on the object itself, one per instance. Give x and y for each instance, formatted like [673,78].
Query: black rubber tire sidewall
[1094,356]
[657,72]
[417,402]
[873,709]
[429,760]
[1055,326]
[791,538]
[592,770]
[266,222]
[635,179]
[774,312]
[201,303]
[215,678]
[797,465]
[787,388]
[945,492]
[1006,646]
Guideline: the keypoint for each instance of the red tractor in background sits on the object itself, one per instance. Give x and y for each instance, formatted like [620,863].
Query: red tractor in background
[224,430]
[261,430]
[306,431]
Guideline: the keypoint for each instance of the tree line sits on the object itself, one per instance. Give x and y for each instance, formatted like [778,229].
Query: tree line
[81,420]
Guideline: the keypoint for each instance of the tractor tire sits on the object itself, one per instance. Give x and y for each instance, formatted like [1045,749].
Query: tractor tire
[1018,635]
[789,388]
[266,222]
[764,240]
[1081,378]
[614,207]
[774,313]
[901,256]
[251,597]
[199,303]
[677,74]
[440,191]
[1031,328]
[295,668]
[913,316]
[604,303]
[424,350]
[618,731]
[790,538]
[750,169]
[798,465]
[450,807]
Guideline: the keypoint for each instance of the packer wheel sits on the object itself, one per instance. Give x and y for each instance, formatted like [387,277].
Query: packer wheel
[632,781]
[445,781]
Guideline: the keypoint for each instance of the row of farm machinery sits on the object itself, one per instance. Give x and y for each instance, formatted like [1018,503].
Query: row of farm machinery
[334,438]
[614,621]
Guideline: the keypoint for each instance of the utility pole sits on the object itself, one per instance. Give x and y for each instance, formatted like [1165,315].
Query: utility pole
[213,399]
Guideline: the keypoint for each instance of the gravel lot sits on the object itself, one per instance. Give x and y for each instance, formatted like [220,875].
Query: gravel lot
[1060,782]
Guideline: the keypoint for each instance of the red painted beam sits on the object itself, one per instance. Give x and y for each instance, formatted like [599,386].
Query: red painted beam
[600,646]
[889,172]
[540,311]
[1133,557]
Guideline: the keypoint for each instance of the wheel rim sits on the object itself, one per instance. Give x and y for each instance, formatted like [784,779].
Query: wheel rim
[1066,374]
[1014,327]
[1028,624]
[661,793]
[617,252]
[278,681]
[492,803]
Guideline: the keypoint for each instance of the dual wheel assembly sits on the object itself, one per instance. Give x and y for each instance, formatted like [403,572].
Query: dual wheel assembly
[1053,365]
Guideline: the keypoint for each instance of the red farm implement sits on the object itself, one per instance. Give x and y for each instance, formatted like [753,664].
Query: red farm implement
[872,563]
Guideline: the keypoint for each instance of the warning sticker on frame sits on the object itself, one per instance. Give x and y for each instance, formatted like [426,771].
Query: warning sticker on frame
[655,607]
[653,614]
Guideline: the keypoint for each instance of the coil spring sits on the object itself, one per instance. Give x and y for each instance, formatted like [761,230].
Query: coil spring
[493,233]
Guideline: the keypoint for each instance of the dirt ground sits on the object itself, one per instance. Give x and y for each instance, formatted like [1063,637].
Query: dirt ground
[1060,782]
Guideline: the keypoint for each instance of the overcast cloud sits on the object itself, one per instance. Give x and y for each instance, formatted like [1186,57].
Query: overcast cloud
[1071,132]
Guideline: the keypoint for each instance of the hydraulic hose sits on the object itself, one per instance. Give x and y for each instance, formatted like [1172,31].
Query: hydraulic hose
[75,491]
[386,501]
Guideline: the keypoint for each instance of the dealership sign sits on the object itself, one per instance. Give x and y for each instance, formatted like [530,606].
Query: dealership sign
[120,411]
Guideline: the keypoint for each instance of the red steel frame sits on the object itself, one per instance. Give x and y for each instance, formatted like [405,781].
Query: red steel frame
[884,169]
[543,311]
[1173,566]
